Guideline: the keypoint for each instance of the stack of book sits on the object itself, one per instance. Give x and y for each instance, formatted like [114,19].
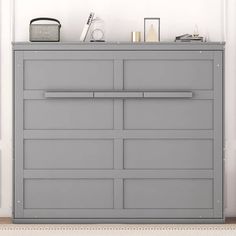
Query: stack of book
[189,38]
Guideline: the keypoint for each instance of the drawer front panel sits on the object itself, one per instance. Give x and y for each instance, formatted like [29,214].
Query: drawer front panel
[168,74]
[168,114]
[68,114]
[168,193]
[68,74]
[68,154]
[168,154]
[68,194]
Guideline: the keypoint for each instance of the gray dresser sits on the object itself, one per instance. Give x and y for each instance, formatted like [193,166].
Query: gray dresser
[118,133]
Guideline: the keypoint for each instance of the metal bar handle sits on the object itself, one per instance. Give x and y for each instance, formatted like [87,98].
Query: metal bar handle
[117,94]
[168,94]
[55,94]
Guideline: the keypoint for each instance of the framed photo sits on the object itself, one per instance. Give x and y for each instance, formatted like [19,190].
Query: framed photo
[152,29]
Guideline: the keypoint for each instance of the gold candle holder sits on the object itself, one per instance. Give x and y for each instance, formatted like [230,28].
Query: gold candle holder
[135,37]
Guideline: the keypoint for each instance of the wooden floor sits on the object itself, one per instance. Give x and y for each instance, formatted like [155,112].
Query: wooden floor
[5,221]
[9,221]
[230,220]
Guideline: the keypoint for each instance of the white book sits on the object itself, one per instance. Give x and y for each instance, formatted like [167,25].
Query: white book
[86,27]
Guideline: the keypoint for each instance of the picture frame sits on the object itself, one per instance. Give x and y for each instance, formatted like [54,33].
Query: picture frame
[152,29]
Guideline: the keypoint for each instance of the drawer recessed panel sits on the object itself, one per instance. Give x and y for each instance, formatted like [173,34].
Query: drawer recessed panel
[68,154]
[68,114]
[68,74]
[168,193]
[168,154]
[168,74]
[168,114]
[68,194]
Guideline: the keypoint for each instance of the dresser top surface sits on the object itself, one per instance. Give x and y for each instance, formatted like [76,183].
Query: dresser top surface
[29,46]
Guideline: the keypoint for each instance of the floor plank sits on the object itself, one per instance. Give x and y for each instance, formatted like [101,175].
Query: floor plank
[5,220]
[231,220]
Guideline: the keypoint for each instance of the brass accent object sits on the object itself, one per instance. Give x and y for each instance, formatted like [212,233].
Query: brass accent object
[135,37]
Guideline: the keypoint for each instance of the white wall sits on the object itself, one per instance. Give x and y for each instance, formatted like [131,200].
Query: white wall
[6,108]
[230,109]
[122,17]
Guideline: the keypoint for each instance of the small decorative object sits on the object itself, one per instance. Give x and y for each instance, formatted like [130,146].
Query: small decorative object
[135,37]
[195,37]
[45,32]
[152,29]
[98,30]
[86,27]
[195,32]
[188,38]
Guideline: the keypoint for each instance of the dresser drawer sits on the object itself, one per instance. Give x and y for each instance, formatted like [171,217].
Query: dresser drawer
[168,154]
[168,193]
[68,154]
[68,114]
[168,114]
[68,193]
[72,73]
[168,74]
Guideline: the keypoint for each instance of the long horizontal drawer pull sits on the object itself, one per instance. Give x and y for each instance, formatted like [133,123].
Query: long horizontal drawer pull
[52,94]
[116,94]
[168,94]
